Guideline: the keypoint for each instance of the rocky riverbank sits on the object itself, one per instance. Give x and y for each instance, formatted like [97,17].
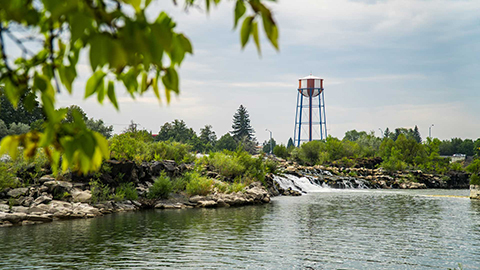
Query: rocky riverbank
[70,196]
[50,199]
[372,178]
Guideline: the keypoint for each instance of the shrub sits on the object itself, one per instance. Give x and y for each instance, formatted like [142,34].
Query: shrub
[474,169]
[394,162]
[179,184]
[281,151]
[198,185]
[100,192]
[126,191]
[271,166]
[225,164]
[161,188]
[309,153]
[235,187]
[7,178]
[456,166]
[172,151]
[126,146]
[475,179]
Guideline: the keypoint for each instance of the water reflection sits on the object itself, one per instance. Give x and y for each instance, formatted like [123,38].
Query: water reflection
[348,230]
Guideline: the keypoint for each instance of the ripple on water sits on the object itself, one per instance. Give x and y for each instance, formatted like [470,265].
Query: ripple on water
[330,230]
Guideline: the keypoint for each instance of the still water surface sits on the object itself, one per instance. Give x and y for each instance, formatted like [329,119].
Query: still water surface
[328,230]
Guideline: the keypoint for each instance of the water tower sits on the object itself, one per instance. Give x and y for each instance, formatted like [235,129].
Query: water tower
[310,119]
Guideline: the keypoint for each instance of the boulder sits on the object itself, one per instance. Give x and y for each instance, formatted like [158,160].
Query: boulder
[58,187]
[15,218]
[16,192]
[81,195]
[206,203]
[169,206]
[475,192]
[196,199]
[40,218]
[46,178]
[44,199]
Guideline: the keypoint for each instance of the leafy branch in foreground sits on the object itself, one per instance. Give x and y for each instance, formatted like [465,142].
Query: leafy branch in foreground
[123,46]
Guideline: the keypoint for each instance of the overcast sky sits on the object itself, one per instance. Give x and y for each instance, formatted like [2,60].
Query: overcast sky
[385,64]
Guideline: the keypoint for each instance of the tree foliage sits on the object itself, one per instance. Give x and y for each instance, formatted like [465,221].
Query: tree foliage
[226,142]
[241,125]
[9,114]
[123,44]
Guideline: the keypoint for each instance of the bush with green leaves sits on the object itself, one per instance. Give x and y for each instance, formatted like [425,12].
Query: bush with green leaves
[127,146]
[394,162]
[311,153]
[100,192]
[474,169]
[7,178]
[271,166]
[126,191]
[166,150]
[236,165]
[161,188]
[456,166]
[281,151]
[197,184]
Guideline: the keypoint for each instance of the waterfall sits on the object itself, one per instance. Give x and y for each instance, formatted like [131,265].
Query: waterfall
[301,184]
[316,181]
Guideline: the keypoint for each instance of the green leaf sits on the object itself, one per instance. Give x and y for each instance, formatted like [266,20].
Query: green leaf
[87,143]
[239,11]
[255,37]
[79,22]
[67,76]
[185,43]
[270,27]
[155,87]
[99,51]
[246,30]
[170,79]
[111,94]
[94,83]
[102,144]
[135,4]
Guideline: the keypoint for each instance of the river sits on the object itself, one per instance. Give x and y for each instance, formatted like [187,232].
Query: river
[334,229]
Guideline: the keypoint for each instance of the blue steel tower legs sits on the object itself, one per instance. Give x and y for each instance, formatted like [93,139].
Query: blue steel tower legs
[310,117]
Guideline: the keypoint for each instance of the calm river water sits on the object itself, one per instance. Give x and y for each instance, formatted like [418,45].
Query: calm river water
[328,230]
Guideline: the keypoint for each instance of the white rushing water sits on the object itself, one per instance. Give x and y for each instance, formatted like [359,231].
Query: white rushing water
[301,184]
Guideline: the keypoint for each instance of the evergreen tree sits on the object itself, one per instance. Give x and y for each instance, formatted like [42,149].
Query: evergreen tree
[267,144]
[290,143]
[241,125]
[387,133]
[207,138]
[416,135]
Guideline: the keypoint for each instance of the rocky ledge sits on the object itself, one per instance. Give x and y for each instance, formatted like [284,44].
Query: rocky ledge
[34,205]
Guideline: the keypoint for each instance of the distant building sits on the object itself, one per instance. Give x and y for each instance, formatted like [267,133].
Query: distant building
[458,157]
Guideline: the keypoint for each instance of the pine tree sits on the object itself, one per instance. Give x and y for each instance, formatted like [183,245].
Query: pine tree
[290,143]
[416,135]
[241,125]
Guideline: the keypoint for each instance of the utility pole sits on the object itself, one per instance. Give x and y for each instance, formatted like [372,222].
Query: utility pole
[271,143]
[430,131]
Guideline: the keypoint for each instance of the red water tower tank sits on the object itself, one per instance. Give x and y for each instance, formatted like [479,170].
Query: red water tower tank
[310,105]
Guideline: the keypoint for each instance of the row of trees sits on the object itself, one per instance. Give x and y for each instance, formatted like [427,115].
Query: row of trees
[20,120]
[242,134]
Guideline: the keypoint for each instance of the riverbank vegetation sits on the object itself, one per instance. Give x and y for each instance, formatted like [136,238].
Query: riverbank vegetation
[227,164]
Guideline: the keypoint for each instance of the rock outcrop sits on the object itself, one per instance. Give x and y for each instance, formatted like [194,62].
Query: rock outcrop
[475,192]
